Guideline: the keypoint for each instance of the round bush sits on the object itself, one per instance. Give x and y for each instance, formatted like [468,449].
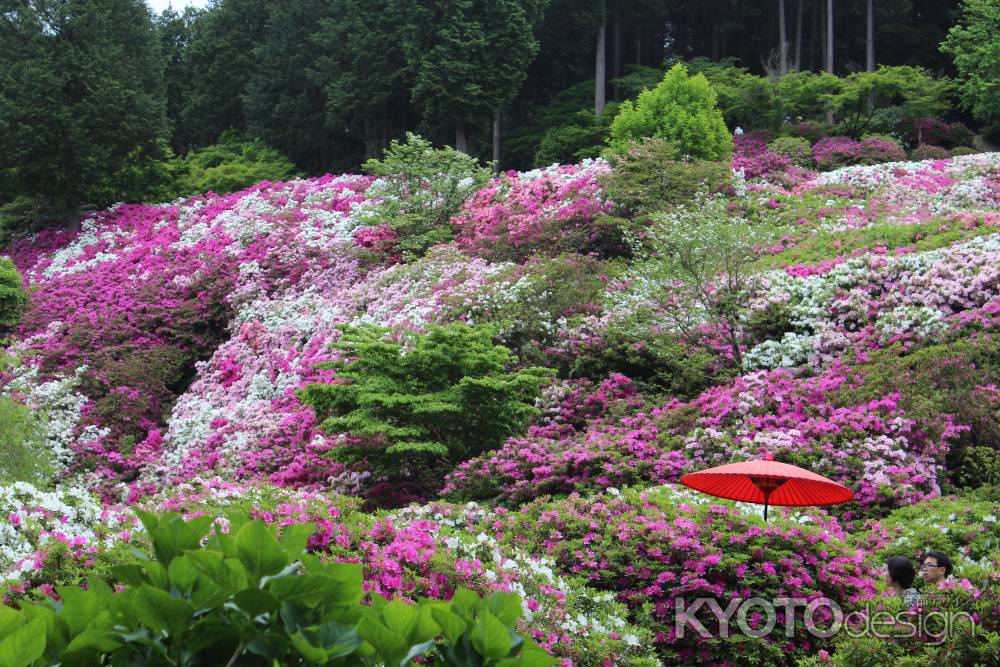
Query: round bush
[963,150]
[797,149]
[928,152]
[875,150]
[682,110]
[12,296]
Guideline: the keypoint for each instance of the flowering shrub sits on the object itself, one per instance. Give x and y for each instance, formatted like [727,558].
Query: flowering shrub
[546,211]
[835,152]
[929,152]
[654,547]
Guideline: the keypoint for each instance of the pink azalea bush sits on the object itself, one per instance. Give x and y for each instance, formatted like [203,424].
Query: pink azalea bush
[655,547]
[545,211]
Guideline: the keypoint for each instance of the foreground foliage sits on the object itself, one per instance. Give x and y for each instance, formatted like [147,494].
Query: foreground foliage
[247,598]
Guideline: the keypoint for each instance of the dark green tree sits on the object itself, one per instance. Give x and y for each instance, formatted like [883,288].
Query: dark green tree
[468,58]
[176,30]
[415,402]
[81,98]
[362,70]
[221,61]
[282,103]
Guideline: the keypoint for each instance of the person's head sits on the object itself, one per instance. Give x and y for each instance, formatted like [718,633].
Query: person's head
[899,571]
[935,567]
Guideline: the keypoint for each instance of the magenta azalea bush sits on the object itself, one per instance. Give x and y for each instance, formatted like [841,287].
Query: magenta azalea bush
[545,211]
[655,547]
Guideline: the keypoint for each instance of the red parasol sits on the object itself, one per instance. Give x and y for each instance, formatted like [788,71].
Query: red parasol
[768,482]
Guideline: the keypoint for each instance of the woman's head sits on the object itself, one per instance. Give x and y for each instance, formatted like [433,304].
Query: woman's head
[899,570]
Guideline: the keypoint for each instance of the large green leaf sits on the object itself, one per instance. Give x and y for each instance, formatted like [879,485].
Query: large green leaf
[259,549]
[161,612]
[490,637]
[80,607]
[24,645]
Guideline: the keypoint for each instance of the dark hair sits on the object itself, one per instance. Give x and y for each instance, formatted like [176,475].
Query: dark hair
[901,570]
[942,561]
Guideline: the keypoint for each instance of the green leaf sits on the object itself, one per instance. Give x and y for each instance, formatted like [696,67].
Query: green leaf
[452,625]
[311,653]
[259,549]
[389,645]
[530,657]
[295,538]
[182,573]
[9,620]
[255,602]
[505,606]
[80,607]
[490,637]
[130,574]
[161,612]
[399,617]
[24,645]
[91,642]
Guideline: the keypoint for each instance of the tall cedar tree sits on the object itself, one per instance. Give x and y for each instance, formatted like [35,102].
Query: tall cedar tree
[81,98]
[176,31]
[221,61]
[362,70]
[283,104]
[468,58]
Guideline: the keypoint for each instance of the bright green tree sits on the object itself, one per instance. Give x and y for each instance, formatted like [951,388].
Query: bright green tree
[974,43]
[81,98]
[421,188]
[415,401]
[909,91]
[681,109]
[12,296]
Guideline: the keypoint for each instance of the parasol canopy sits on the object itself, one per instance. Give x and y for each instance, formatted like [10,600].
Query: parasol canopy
[768,482]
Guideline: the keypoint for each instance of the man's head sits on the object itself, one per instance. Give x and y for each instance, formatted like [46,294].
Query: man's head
[935,567]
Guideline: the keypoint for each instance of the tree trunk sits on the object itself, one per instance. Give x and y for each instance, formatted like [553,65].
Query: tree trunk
[829,50]
[716,42]
[638,45]
[600,72]
[870,38]
[829,36]
[496,142]
[782,39]
[815,40]
[616,64]
[461,141]
[798,39]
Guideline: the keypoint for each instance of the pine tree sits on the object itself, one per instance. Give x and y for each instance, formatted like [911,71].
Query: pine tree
[81,98]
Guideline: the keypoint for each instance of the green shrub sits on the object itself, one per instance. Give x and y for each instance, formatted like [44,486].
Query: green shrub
[928,152]
[245,597]
[12,297]
[798,150]
[656,360]
[682,110]
[414,403]
[23,457]
[230,165]
[745,100]
[529,303]
[649,176]
[804,96]
[582,137]
[958,151]
[422,188]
